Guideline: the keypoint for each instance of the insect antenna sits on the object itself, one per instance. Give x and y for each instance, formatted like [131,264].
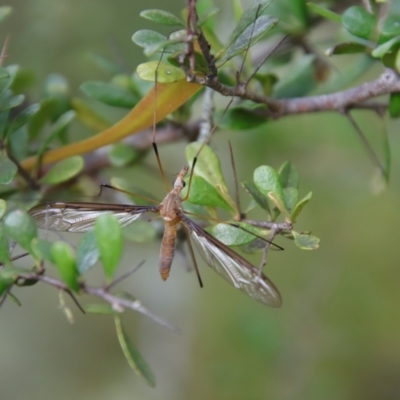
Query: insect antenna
[154,144]
[107,186]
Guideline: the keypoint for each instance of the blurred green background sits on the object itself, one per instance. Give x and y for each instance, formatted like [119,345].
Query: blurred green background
[337,335]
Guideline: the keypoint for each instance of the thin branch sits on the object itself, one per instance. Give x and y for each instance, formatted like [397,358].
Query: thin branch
[118,304]
[387,82]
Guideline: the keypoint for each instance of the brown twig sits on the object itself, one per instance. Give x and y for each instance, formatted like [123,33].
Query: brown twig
[387,82]
[118,304]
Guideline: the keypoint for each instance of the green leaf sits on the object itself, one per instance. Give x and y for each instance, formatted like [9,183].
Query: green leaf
[5,11]
[140,232]
[64,258]
[64,170]
[3,208]
[14,299]
[386,47]
[267,180]
[202,193]
[4,246]
[240,118]
[6,83]
[251,35]
[323,12]
[6,103]
[3,72]
[105,309]
[161,17]
[146,38]
[298,80]
[208,167]
[394,105]
[290,197]
[122,154]
[278,202]
[259,198]
[206,15]
[347,48]
[299,206]
[153,41]
[109,242]
[267,81]
[87,253]
[247,20]
[289,175]
[7,278]
[132,355]
[23,117]
[56,85]
[165,73]
[7,169]
[39,119]
[110,94]
[391,26]
[306,242]
[23,80]
[21,228]
[41,249]
[57,130]
[359,22]
[106,64]
[235,236]
[89,117]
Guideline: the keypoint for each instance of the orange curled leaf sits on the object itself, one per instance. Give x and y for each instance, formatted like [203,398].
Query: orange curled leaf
[169,97]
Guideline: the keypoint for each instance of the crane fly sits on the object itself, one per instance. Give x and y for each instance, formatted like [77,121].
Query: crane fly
[81,216]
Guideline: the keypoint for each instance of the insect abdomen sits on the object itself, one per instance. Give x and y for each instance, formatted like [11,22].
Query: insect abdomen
[167,250]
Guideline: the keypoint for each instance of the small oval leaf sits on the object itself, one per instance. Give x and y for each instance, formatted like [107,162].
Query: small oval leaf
[359,22]
[64,259]
[20,227]
[278,202]
[41,249]
[166,73]
[87,253]
[64,170]
[122,154]
[161,17]
[267,180]
[132,355]
[109,242]
[208,167]
[289,175]
[299,206]
[7,169]
[203,194]
[109,93]
[251,35]
[3,208]
[4,246]
[306,242]
[234,235]
[259,198]
[324,12]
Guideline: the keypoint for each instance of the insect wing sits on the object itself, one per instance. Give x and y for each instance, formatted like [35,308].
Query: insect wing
[80,217]
[233,267]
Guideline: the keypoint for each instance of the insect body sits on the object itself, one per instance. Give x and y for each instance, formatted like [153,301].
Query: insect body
[80,217]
